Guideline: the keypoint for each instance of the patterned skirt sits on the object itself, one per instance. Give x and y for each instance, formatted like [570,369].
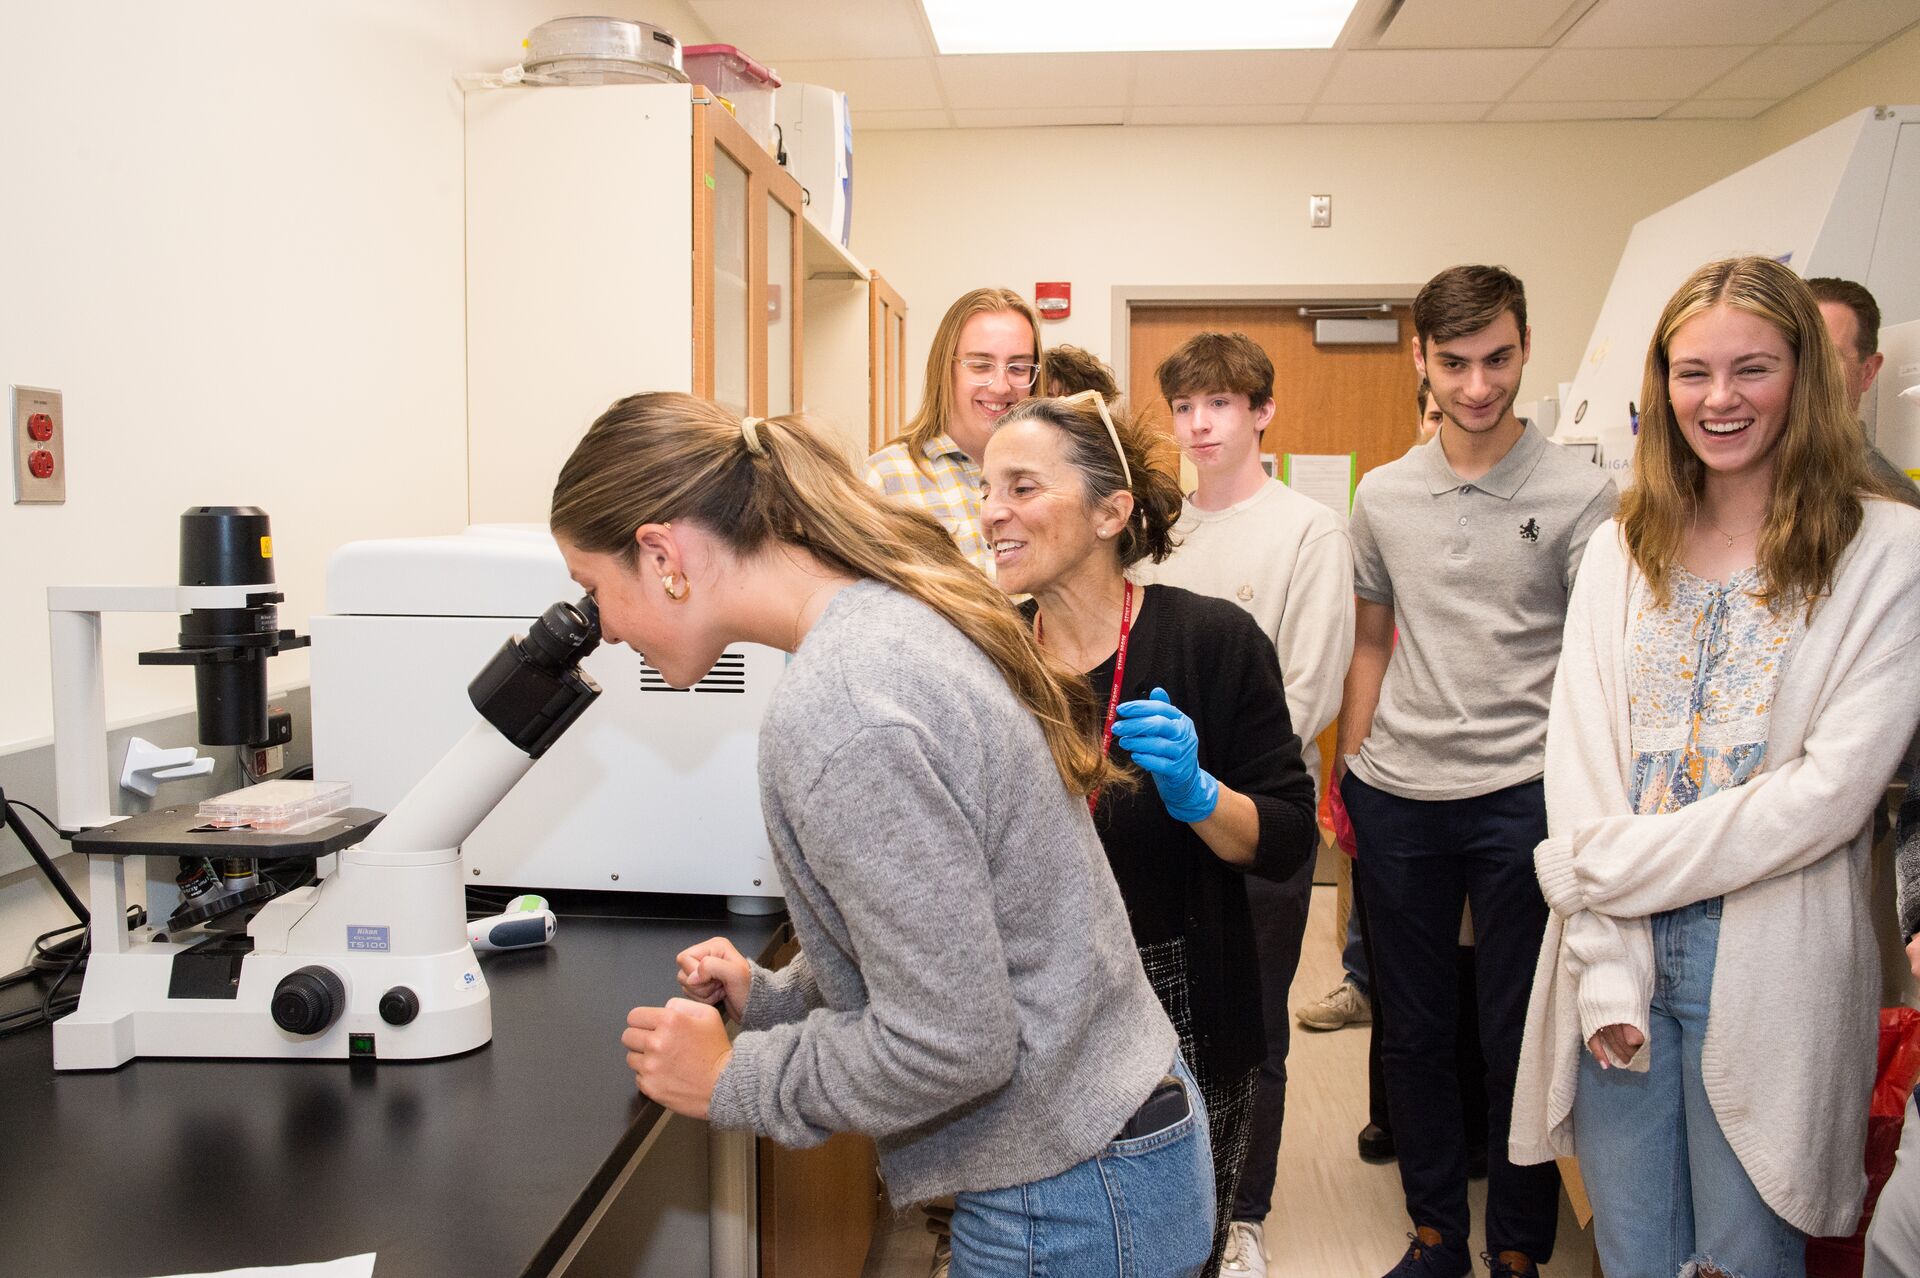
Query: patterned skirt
[1229,1100]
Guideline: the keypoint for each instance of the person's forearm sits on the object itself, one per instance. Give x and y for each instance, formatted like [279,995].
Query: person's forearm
[1232,830]
[1359,696]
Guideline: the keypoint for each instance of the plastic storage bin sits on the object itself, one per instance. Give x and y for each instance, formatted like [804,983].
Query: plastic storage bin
[274,806]
[743,84]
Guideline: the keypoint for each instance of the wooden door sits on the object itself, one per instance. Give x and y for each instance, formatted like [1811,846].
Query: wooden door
[747,268]
[886,362]
[1327,399]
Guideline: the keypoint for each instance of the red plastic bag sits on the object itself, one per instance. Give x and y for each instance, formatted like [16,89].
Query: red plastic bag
[1892,1084]
[1333,815]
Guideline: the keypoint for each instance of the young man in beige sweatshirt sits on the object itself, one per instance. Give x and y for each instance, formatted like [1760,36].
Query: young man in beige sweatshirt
[1286,559]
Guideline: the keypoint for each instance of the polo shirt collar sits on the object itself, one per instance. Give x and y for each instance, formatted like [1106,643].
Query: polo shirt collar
[1503,481]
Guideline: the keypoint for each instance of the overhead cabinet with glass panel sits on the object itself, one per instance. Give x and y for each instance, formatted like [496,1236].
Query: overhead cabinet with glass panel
[619,238]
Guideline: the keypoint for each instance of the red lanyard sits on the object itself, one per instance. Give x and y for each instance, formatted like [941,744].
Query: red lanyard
[1119,673]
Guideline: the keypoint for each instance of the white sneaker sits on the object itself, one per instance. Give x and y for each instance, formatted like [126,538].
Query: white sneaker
[1346,1005]
[1246,1250]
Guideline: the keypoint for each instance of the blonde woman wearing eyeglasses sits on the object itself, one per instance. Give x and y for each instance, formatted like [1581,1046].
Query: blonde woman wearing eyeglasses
[1077,493]
[985,359]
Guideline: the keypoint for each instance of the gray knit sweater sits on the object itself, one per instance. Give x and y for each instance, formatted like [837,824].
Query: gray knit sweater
[968,993]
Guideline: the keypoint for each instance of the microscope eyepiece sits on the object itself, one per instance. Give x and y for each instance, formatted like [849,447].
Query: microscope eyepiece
[563,634]
[534,689]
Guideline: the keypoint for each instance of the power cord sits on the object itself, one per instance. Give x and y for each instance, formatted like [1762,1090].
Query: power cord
[40,858]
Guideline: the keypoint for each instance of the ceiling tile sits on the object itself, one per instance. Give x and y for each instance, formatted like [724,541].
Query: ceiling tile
[992,81]
[818,32]
[1626,75]
[873,84]
[1396,113]
[1720,109]
[1852,20]
[1510,112]
[1452,75]
[1630,24]
[1454,24]
[1033,117]
[1211,79]
[883,120]
[1291,113]
[1783,70]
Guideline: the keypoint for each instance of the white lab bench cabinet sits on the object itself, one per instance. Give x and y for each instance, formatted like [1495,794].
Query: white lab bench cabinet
[633,237]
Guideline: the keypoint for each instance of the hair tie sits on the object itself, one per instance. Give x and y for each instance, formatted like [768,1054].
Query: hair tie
[750,430]
[1100,402]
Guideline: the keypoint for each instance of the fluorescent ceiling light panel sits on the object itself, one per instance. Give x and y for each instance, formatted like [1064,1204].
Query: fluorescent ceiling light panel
[1133,26]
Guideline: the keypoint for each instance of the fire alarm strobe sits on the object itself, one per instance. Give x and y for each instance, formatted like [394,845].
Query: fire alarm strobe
[1053,301]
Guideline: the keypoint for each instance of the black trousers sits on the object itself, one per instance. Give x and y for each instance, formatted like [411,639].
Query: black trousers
[1473,1063]
[1279,926]
[1420,863]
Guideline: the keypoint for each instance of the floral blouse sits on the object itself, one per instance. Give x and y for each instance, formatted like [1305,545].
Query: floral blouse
[1701,675]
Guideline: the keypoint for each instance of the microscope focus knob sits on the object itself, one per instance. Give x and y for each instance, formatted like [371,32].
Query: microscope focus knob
[399,1005]
[308,1001]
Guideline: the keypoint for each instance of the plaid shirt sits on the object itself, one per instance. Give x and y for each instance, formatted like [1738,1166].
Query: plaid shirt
[948,488]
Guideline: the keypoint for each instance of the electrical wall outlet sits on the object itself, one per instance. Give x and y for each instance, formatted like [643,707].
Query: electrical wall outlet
[1320,210]
[39,447]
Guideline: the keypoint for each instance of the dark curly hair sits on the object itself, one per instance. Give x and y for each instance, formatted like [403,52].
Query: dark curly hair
[1151,457]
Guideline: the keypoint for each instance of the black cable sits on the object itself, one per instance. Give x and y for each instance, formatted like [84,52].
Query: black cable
[64,957]
[57,879]
[51,823]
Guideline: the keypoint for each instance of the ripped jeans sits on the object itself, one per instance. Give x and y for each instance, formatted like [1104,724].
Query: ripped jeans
[1668,1192]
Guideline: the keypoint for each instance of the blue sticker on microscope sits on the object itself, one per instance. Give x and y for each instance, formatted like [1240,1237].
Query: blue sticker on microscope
[362,937]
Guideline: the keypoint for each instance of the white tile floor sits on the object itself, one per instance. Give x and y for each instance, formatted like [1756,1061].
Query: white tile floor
[1333,1215]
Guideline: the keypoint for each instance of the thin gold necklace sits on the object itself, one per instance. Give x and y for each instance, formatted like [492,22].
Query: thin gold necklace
[1732,537]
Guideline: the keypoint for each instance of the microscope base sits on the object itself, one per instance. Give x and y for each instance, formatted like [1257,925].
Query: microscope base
[125,1010]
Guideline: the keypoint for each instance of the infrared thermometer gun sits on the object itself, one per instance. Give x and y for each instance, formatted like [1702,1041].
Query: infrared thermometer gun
[526,922]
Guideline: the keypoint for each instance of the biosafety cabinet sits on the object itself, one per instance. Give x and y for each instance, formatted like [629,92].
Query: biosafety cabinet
[1844,201]
[632,237]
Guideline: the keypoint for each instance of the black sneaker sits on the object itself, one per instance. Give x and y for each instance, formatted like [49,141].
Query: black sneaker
[1376,1144]
[1428,1256]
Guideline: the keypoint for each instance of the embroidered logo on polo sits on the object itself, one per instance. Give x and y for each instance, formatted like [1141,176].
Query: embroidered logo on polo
[1244,594]
[1531,530]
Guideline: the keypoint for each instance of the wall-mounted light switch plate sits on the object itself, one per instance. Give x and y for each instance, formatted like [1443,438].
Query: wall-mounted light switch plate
[39,447]
[1320,210]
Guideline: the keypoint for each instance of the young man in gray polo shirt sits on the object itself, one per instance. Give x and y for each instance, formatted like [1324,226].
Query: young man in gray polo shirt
[1468,547]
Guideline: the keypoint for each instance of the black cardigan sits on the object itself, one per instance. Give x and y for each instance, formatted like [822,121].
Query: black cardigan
[1219,667]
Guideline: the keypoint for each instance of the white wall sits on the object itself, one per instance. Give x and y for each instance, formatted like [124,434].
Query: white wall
[231,233]
[943,212]
[1889,76]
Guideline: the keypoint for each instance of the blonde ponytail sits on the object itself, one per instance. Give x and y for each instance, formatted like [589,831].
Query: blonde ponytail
[665,456]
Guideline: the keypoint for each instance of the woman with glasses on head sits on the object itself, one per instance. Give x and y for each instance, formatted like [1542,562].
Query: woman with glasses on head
[1076,493]
[1735,689]
[967,992]
[985,359]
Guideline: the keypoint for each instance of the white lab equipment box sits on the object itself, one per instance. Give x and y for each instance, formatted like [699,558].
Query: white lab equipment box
[1844,201]
[653,790]
[817,135]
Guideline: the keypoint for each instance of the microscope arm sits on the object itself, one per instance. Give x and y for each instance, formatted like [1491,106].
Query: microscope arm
[528,695]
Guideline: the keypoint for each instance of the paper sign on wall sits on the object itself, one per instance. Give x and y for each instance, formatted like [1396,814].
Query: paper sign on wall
[1328,478]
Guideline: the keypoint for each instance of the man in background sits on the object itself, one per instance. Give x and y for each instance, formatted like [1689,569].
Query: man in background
[1853,321]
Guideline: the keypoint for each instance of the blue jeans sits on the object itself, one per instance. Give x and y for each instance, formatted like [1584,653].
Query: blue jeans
[1139,1208]
[1668,1191]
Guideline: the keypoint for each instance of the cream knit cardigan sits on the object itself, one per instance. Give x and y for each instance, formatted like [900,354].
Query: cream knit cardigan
[1791,1038]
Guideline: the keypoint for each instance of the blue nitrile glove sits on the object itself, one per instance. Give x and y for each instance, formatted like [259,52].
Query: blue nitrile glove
[1162,741]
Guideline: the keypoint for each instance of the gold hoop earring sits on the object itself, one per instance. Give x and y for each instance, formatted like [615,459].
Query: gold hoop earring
[666,584]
